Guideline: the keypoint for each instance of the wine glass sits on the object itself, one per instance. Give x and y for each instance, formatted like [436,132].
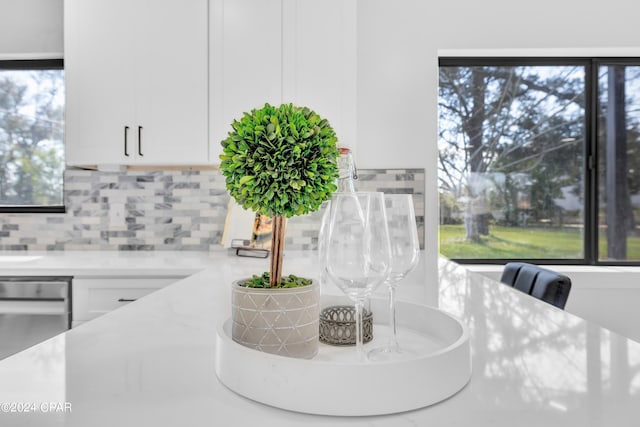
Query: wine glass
[357,253]
[405,253]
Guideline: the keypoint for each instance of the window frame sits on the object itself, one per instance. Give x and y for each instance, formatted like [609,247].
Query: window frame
[34,64]
[590,148]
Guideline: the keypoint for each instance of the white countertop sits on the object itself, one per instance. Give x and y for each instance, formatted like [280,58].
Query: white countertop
[152,362]
[106,263]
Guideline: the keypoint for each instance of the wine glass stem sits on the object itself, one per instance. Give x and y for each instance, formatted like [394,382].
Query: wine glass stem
[359,306]
[392,345]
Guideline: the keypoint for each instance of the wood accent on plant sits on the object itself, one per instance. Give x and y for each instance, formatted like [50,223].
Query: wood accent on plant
[279,225]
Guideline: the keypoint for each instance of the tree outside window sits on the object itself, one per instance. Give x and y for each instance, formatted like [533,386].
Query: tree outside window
[618,161]
[540,160]
[31,134]
[511,156]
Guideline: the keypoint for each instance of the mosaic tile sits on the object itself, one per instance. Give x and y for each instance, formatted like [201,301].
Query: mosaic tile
[165,210]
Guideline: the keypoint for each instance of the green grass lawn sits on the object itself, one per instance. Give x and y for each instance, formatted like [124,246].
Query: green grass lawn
[516,242]
[511,242]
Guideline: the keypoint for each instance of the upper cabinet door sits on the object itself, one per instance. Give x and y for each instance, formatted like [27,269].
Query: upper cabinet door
[277,51]
[137,82]
[99,84]
[245,62]
[171,80]
[319,44]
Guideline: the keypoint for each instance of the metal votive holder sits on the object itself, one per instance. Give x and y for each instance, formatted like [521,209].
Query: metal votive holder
[338,325]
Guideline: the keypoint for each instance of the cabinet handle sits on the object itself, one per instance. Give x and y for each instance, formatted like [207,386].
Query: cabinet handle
[126,299]
[140,140]
[126,131]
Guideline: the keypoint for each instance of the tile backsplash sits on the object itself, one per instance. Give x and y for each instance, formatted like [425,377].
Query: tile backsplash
[165,210]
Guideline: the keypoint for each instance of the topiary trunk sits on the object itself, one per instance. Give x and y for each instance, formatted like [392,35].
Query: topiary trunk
[278,227]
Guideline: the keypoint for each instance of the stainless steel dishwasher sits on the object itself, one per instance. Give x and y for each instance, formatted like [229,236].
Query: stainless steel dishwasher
[32,309]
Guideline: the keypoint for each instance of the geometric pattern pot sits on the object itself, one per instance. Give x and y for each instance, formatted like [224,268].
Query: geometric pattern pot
[279,321]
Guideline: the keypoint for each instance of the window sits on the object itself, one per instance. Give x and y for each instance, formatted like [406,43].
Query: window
[31,136]
[539,160]
[618,137]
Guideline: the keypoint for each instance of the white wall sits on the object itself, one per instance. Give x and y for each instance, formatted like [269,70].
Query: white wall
[31,29]
[398,45]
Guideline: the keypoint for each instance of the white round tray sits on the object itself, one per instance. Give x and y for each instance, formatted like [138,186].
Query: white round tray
[335,382]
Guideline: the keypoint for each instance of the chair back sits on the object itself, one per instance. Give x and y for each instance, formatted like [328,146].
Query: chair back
[546,285]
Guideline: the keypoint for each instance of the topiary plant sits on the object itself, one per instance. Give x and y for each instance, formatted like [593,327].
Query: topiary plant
[280,162]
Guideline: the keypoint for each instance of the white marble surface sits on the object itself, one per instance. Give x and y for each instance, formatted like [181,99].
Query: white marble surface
[607,295]
[106,263]
[152,362]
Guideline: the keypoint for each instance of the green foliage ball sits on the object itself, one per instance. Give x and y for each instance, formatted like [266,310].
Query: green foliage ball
[280,161]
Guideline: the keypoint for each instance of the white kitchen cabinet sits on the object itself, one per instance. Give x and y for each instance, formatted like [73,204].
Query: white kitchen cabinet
[246,61]
[279,51]
[136,82]
[95,296]
[319,41]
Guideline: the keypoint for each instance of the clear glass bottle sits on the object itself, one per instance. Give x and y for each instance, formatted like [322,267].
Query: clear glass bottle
[347,174]
[347,171]
[346,183]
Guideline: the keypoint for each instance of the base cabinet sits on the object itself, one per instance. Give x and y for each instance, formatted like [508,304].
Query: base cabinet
[95,296]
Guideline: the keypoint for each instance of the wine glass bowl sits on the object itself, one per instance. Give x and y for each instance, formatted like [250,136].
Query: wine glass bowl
[403,235]
[357,254]
[405,254]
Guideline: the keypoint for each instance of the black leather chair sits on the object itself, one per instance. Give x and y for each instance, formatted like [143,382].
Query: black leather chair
[546,285]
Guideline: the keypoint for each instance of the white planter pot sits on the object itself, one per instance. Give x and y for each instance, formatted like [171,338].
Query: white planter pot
[277,321]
